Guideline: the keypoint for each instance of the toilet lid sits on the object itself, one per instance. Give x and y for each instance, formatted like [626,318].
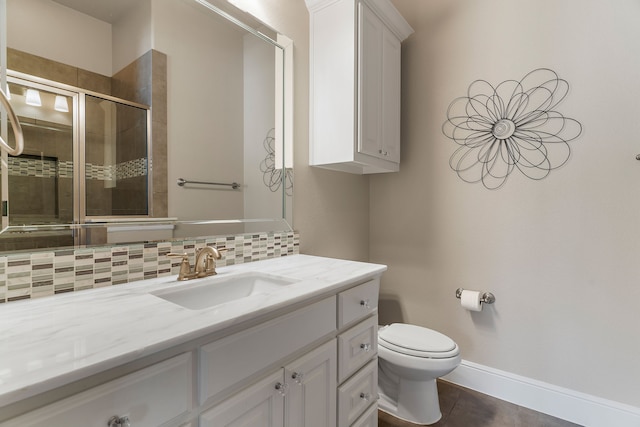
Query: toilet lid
[416,341]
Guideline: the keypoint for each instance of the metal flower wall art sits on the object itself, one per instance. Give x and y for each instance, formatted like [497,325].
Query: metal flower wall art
[514,125]
[272,176]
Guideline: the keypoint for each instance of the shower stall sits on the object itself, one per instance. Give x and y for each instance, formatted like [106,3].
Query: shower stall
[86,159]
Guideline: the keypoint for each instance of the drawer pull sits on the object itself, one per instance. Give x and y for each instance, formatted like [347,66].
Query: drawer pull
[117,421]
[365,303]
[366,347]
[282,388]
[365,396]
[298,377]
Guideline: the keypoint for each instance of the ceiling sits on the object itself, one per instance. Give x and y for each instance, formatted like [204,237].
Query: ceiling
[104,10]
[111,10]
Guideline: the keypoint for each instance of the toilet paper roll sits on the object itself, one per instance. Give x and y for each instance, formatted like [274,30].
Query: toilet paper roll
[471,300]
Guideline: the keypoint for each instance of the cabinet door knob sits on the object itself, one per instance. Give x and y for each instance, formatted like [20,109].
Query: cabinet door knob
[365,396]
[117,421]
[365,303]
[298,377]
[366,347]
[282,388]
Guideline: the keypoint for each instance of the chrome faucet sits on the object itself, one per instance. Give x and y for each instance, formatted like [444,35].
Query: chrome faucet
[204,266]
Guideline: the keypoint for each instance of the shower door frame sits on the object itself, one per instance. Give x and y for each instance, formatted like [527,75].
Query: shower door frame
[78,95]
[17,78]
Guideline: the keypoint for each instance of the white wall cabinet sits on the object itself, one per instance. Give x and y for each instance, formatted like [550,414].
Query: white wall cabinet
[355,85]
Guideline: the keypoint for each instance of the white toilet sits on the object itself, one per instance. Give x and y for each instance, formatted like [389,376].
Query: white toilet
[410,358]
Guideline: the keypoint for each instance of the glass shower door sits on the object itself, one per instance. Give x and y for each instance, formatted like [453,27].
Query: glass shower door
[40,190]
[116,159]
[85,164]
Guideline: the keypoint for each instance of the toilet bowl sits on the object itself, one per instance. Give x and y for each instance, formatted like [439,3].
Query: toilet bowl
[410,359]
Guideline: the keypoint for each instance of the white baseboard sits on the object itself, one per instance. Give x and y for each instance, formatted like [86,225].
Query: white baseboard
[570,405]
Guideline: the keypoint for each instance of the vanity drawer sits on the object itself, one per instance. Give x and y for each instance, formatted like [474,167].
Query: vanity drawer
[225,362]
[149,398]
[357,394]
[358,302]
[356,346]
[369,418]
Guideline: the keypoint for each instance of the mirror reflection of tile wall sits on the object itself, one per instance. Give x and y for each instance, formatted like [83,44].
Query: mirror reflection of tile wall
[144,82]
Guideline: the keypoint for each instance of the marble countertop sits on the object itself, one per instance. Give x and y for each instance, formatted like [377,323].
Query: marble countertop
[52,341]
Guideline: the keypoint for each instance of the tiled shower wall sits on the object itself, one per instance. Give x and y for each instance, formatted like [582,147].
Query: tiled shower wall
[143,81]
[37,274]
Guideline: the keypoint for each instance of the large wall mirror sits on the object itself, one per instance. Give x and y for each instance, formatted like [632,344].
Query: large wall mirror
[143,120]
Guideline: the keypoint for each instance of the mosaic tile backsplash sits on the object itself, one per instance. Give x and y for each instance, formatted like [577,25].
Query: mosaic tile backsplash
[37,274]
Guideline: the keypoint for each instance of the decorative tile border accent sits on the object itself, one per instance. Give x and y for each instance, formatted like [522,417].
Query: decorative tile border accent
[65,169]
[131,169]
[47,168]
[41,168]
[99,172]
[37,274]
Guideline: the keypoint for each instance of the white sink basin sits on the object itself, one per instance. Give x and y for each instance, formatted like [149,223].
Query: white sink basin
[220,289]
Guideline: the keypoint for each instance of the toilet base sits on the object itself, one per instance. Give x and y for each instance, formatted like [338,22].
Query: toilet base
[419,403]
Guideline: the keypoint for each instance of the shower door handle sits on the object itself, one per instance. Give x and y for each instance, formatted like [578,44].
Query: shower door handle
[15,124]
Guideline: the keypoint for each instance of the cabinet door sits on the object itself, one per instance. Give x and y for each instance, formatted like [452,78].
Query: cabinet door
[261,405]
[390,143]
[370,82]
[311,398]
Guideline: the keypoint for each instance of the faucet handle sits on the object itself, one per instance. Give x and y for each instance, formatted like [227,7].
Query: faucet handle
[221,251]
[185,267]
[173,254]
[210,261]
[210,265]
[215,252]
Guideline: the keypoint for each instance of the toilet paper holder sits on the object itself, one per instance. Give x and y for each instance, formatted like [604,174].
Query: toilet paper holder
[487,297]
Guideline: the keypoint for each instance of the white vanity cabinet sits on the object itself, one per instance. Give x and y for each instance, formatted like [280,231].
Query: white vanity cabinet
[355,85]
[310,363]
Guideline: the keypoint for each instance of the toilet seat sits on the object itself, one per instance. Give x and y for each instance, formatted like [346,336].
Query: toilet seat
[417,341]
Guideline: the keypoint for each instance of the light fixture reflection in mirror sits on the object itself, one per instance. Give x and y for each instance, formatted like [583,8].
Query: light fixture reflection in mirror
[33,98]
[61,104]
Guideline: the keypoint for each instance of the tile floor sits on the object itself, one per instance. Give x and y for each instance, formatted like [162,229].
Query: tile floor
[462,407]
